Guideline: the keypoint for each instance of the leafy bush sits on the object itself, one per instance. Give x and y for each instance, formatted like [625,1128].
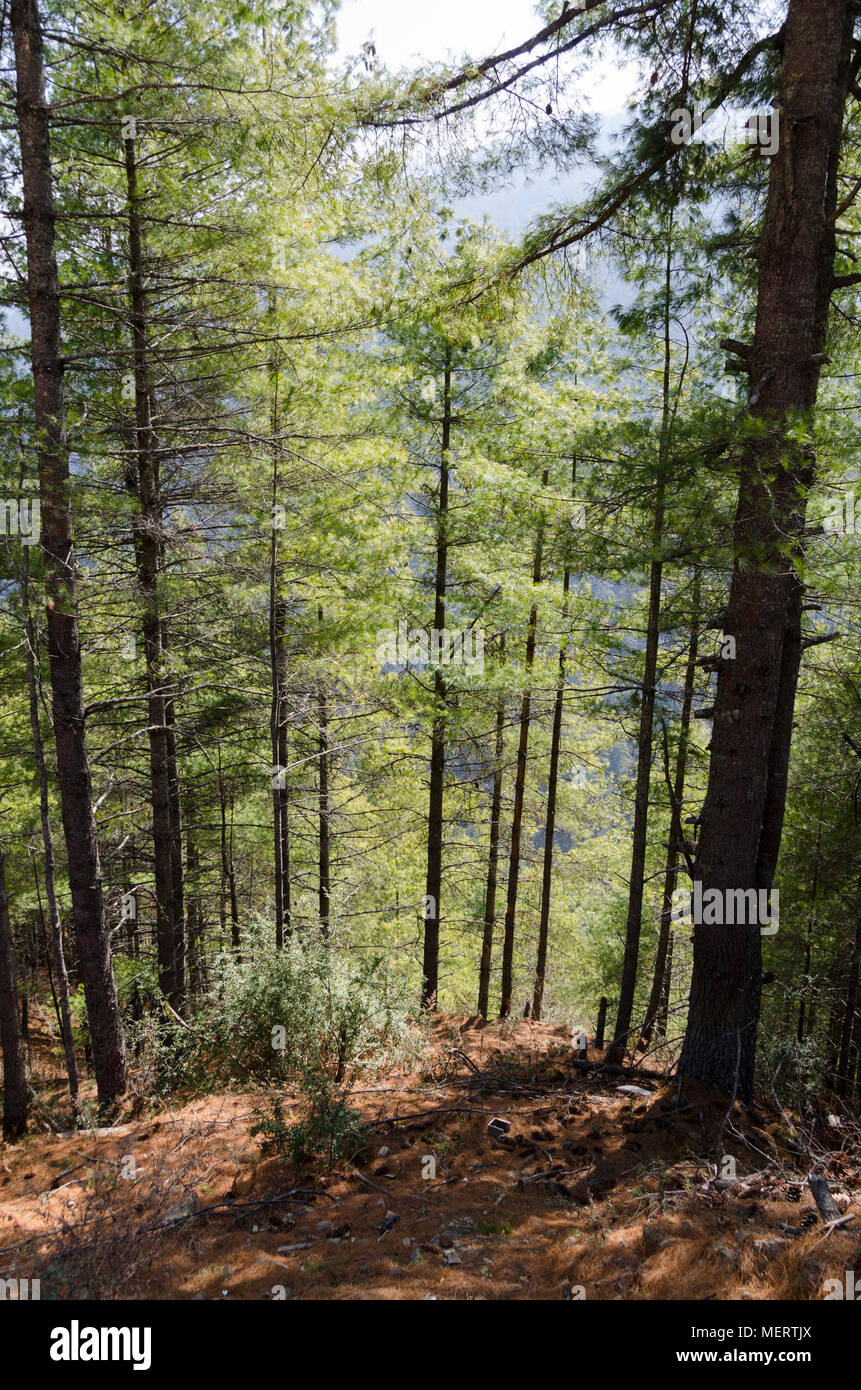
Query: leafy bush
[307,1010]
[329,1126]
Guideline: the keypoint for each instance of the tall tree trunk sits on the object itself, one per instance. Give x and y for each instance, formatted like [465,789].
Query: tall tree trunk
[323,803]
[14,1069]
[492,857]
[196,961]
[552,785]
[781,740]
[843,1080]
[520,787]
[433,881]
[60,971]
[676,828]
[64,647]
[147,535]
[278,671]
[228,870]
[175,806]
[807,984]
[633,925]
[662,1016]
[755,692]
[278,727]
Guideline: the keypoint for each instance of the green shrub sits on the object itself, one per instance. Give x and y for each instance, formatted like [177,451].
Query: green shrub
[328,1128]
[305,1010]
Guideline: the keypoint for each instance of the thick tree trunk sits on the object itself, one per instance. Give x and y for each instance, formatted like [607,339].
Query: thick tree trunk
[676,828]
[492,859]
[147,534]
[519,789]
[755,692]
[14,1069]
[64,648]
[433,881]
[781,740]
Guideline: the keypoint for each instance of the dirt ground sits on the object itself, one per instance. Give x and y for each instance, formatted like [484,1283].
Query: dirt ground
[584,1191]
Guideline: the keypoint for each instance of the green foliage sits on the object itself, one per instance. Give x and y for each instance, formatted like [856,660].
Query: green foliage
[329,1127]
[271,1012]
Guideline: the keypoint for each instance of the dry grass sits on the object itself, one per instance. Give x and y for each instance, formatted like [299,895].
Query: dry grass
[589,1188]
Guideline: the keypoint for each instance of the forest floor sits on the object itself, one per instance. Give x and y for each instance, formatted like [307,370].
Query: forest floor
[592,1192]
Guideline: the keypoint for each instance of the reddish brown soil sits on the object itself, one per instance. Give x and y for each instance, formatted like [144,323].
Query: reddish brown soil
[590,1187]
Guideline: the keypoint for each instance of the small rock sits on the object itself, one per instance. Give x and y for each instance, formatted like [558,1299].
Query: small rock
[189,1204]
[384,1151]
[325,1225]
[451,1257]
[391,1220]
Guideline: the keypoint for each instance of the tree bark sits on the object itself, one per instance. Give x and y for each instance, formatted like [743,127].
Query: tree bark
[433,881]
[228,869]
[520,787]
[492,858]
[633,924]
[177,863]
[170,928]
[843,1079]
[64,648]
[755,693]
[57,950]
[194,921]
[807,983]
[676,829]
[552,786]
[325,886]
[278,671]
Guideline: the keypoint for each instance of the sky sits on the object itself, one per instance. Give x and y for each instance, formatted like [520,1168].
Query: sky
[406,32]
[409,32]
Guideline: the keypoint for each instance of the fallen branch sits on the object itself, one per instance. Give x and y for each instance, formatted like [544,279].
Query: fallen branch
[832,1226]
